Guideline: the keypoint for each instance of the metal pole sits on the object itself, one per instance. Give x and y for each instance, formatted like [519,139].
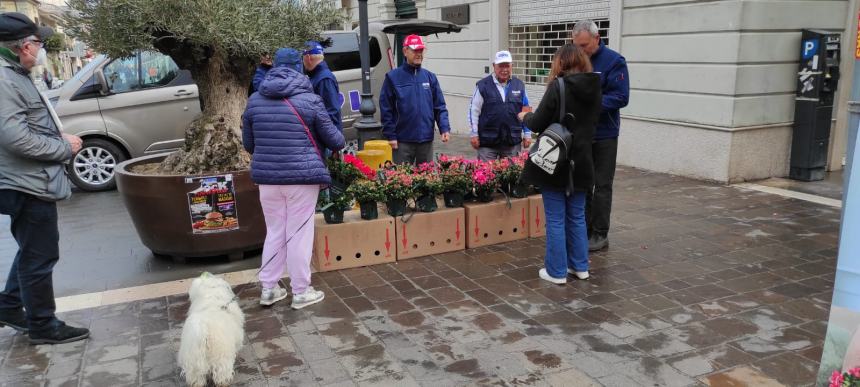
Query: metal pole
[367,126]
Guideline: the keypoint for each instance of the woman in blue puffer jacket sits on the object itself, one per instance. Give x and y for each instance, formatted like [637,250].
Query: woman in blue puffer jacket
[285,128]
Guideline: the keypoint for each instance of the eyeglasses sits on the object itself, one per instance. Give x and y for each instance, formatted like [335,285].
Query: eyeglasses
[41,43]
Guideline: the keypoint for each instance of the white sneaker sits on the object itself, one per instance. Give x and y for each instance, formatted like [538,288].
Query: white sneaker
[309,297]
[583,275]
[544,275]
[270,296]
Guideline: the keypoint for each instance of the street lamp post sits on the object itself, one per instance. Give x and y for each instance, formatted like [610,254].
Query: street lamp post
[367,126]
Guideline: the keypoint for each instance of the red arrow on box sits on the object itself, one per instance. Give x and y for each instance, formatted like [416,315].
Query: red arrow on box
[404,236]
[476,226]
[327,251]
[537,217]
[524,218]
[387,241]
[458,229]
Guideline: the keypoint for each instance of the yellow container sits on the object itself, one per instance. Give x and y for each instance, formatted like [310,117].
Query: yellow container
[381,145]
[374,158]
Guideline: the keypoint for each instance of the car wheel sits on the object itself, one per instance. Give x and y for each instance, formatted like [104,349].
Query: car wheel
[92,169]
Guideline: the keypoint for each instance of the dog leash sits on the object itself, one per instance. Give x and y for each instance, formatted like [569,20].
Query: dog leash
[284,246]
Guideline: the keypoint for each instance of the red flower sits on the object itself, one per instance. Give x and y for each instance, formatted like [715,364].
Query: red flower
[836,379]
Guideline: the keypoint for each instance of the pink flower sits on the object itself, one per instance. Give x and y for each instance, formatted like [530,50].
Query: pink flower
[855,372]
[836,379]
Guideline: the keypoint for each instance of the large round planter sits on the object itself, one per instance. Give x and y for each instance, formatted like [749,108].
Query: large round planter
[159,208]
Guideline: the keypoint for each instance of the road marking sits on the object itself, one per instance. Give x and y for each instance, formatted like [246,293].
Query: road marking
[143,292]
[791,194]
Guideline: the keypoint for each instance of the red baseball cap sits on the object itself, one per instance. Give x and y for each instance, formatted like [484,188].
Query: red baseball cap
[414,42]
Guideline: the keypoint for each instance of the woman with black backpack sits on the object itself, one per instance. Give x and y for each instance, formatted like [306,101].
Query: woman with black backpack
[560,160]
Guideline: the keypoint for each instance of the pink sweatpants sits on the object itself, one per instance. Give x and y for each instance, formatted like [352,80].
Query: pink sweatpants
[286,208]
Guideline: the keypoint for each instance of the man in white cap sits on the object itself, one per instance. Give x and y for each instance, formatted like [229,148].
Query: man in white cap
[498,98]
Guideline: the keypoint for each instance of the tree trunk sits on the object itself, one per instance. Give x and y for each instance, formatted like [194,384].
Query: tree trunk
[213,142]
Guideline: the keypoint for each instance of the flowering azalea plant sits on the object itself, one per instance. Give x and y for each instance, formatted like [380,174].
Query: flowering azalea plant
[484,178]
[359,164]
[326,200]
[453,175]
[426,180]
[365,191]
[348,169]
[397,183]
[850,378]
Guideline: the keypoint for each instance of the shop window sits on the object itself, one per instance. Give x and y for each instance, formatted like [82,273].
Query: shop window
[532,46]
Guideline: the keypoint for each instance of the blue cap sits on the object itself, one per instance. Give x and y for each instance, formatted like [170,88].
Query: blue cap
[288,57]
[313,48]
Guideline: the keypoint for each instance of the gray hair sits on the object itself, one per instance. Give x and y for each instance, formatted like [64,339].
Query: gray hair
[585,26]
[16,44]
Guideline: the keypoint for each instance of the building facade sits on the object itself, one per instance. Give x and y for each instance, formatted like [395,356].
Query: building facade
[712,83]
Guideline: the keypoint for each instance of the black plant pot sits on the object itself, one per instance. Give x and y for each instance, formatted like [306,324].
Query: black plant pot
[484,196]
[333,215]
[369,210]
[396,207]
[519,190]
[427,203]
[453,199]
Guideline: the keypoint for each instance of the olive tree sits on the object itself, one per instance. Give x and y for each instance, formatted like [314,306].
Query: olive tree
[219,42]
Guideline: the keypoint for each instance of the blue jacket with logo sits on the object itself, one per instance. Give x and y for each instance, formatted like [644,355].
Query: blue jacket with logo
[325,85]
[411,104]
[498,123]
[281,152]
[615,83]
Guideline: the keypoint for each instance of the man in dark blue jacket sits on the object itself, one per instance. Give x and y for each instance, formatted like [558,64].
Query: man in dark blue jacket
[615,83]
[323,81]
[412,104]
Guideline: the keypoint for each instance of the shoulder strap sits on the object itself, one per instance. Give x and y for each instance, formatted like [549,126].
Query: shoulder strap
[561,99]
[307,130]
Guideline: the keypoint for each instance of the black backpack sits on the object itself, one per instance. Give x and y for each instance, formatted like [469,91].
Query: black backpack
[551,149]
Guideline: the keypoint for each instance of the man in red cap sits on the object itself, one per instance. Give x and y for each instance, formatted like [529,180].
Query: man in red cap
[32,179]
[412,105]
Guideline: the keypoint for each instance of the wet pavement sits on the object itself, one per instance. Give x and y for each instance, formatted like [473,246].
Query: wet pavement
[830,187]
[702,285]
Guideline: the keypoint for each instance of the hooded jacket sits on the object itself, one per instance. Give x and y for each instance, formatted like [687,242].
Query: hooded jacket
[282,153]
[583,99]
[32,149]
[615,84]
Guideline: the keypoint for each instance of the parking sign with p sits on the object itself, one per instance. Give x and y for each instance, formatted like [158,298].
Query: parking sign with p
[810,48]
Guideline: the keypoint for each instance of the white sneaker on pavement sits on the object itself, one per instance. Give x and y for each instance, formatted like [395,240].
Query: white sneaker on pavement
[545,276]
[583,275]
[270,296]
[309,297]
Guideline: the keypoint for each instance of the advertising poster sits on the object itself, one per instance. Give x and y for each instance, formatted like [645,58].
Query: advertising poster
[841,354]
[213,205]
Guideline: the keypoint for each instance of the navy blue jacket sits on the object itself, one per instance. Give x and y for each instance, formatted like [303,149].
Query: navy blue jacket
[259,75]
[282,153]
[325,85]
[411,102]
[498,123]
[615,83]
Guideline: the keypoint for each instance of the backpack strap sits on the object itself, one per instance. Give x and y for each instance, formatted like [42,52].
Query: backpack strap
[561,99]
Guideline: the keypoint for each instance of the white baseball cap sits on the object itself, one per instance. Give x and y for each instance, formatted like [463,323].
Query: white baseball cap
[503,57]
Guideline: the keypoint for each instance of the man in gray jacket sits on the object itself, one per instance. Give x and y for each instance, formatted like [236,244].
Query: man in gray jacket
[32,179]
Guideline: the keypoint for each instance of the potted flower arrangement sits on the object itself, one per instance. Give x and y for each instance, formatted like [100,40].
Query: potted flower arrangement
[850,378]
[397,186]
[333,206]
[346,170]
[427,185]
[510,172]
[367,193]
[455,180]
[485,181]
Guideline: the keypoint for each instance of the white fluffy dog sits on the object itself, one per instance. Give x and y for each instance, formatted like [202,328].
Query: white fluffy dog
[213,332]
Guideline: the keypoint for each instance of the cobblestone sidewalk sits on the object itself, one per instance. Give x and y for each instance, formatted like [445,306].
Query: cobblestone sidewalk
[702,284]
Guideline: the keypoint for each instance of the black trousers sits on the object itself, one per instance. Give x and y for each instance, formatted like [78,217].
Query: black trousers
[598,202]
[30,283]
[413,153]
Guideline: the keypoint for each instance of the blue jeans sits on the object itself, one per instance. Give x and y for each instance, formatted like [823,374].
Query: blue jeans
[30,283]
[566,234]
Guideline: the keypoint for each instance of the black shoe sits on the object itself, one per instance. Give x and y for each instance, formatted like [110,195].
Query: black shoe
[15,319]
[597,242]
[59,334]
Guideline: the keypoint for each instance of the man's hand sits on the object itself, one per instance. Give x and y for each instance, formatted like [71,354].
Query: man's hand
[446,136]
[521,116]
[475,142]
[393,144]
[527,141]
[74,141]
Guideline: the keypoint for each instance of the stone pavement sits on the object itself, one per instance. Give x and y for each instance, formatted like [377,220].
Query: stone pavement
[702,285]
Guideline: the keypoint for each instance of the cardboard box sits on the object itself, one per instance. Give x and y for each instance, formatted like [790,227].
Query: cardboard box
[492,223]
[537,223]
[353,243]
[428,233]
